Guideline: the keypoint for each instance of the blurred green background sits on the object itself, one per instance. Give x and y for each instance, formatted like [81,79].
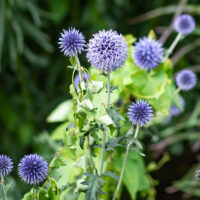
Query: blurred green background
[34,78]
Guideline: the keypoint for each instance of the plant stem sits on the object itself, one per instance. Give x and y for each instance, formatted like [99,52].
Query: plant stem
[136,132]
[124,163]
[104,132]
[90,153]
[33,193]
[108,90]
[79,69]
[103,152]
[177,91]
[4,189]
[173,45]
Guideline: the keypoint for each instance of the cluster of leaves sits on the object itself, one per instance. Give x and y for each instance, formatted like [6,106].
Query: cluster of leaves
[85,119]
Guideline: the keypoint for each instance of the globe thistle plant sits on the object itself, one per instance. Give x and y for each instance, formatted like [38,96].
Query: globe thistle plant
[140,113]
[175,110]
[184,24]
[186,79]
[71,42]
[148,53]
[6,165]
[32,169]
[77,79]
[107,50]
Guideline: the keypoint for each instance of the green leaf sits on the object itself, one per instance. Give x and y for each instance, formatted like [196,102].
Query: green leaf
[60,132]
[116,117]
[61,112]
[87,104]
[134,178]
[130,39]
[106,120]
[111,175]
[95,86]
[94,187]
[113,143]
[163,103]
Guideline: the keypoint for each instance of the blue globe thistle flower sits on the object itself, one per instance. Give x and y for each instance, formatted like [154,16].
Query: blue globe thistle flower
[186,79]
[184,24]
[77,79]
[71,42]
[32,169]
[175,110]
[107,50]
[148,53]
[140,113]
[6,165]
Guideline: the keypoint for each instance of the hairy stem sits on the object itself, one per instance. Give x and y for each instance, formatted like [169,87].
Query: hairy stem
[173,45]
[59,153]
[3,186]
[104,132]
[90,153]
[79,69]
[124,162]
[108,90]
[136,132]
[34,197]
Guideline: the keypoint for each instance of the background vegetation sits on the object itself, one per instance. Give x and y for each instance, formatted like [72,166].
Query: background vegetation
[34,80]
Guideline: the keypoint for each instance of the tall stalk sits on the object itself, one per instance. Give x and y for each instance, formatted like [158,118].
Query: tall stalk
[90,153]
[79,69]
[124,162]
[173,45]
[3,186]
[105,131]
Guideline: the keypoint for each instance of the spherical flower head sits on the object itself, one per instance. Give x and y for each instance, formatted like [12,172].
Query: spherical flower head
[6,165]
[175,110]
[186,79]
[140,113]
[71,42]
[32,169]
[184,24]
[107,50]
[77,79]
[148,53]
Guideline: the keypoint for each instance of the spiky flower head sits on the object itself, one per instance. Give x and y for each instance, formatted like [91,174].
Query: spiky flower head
[71,42]
[6,165]
[184,24]
[175,110]
[32,169]
[107,50]
[140,113]
[186,79]
[77,79]
[148,53]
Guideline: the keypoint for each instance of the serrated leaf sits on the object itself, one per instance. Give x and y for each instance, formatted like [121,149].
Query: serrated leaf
[113,143]
[94,187]
[112,175]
